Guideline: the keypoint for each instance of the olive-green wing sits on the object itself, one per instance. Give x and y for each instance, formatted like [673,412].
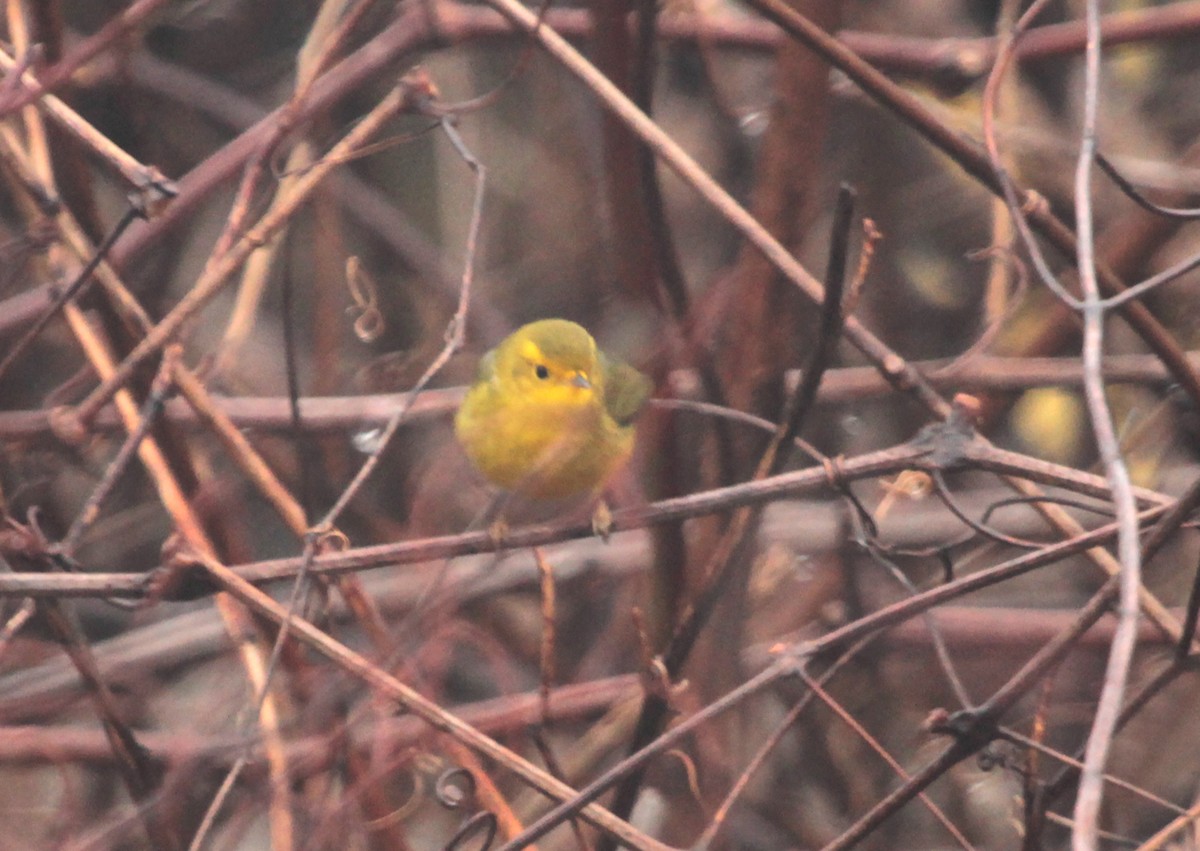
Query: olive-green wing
[487,367]
[625,389]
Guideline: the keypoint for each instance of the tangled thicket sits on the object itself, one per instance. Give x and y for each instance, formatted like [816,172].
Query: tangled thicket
[254,249]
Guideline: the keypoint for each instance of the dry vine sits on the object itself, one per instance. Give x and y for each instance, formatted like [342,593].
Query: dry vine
[844,605]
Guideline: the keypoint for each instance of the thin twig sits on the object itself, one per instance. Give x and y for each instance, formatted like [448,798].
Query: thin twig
[409,93]
[1131,192]
[455,331]
[76,287]
[546,665]
[142,178]
[108,36]
[1091,784]
[816,688]
[988,171]
[792,484]
[894,368]
[358,666]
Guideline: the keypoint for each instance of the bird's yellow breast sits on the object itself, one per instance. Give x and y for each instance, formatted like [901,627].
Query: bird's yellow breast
[546,442]
[549,415]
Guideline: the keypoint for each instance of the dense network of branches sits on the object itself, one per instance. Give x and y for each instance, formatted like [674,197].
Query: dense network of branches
[903,559]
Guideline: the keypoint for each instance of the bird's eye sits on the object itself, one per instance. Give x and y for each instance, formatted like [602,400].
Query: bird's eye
[540,371]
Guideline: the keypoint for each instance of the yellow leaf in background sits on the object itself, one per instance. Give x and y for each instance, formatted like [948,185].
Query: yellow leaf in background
[933,276]
[1135,64]
[1145,470]
[1050,422]
[1146,428]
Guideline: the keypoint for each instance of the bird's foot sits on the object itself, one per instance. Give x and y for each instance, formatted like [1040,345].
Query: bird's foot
[498,532]
[602,521]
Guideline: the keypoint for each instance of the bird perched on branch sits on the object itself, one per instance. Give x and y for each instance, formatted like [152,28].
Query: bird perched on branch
[550,415]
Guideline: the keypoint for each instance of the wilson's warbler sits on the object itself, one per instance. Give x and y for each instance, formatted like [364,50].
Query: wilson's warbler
[550,415]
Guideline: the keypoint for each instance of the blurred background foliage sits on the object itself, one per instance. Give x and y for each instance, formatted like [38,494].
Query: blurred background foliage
[565,232]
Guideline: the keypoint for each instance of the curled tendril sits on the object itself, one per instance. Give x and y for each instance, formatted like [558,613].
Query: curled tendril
[369,323]
[334,540]
[406,808]
[454,788]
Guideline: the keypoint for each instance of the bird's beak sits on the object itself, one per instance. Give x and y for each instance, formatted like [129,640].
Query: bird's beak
[580,380]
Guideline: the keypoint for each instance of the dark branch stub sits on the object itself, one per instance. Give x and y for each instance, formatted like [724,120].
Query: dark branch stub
[949,440]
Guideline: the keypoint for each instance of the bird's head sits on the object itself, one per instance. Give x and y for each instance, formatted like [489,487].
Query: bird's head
[553,358]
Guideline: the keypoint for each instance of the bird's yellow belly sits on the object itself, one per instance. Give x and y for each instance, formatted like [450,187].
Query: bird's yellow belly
[546,451]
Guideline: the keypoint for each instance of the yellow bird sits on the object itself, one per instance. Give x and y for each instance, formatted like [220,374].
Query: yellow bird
[550,415]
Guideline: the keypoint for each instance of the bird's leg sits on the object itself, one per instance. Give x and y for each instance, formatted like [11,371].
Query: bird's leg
[498,532]
[602,520]
[622,490]
[493,516]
